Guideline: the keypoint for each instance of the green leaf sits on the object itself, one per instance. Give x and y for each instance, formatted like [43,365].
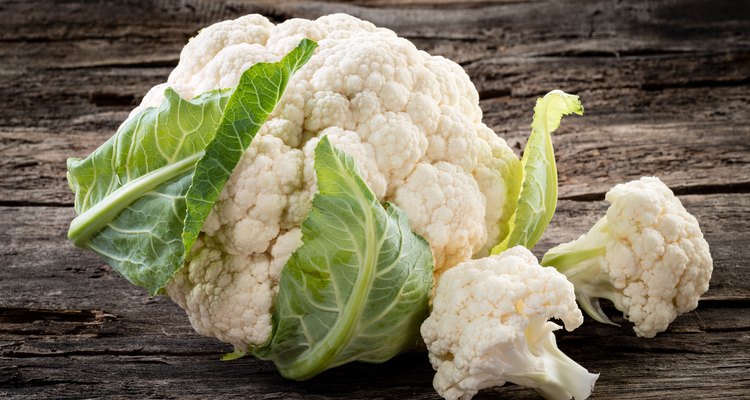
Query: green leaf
[257,94]
[512,173]
[235,355]
[538,197]
[143,196]
[358,288]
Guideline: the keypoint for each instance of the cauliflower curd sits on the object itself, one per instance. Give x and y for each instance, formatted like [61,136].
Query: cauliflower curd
[410,120]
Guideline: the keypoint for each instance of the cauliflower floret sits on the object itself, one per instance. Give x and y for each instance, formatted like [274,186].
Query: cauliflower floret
[231,297]
[444,204]
[219,72]
[202,49]
[647,255]
[489,325]
[400,145]
[452,142]
[410,121]
[254,205]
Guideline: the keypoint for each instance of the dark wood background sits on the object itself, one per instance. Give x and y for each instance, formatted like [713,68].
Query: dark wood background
[666,86]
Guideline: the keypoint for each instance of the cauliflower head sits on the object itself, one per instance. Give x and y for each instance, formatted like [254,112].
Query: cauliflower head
[647,255]
[410,120]
[489,325]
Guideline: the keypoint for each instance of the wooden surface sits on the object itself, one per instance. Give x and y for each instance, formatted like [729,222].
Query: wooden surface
[666,87]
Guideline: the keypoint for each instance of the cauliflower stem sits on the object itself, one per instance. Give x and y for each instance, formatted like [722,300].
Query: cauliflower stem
[581,262]
[559,377]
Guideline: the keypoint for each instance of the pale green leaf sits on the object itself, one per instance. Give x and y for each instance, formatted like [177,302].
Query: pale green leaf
[538,197]
[235,355]
[358,288]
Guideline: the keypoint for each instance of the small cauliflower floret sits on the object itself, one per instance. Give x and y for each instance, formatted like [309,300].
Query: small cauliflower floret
[489,325]
[647,256]
[411,122]
[400,145]
[453,142]
[218,73]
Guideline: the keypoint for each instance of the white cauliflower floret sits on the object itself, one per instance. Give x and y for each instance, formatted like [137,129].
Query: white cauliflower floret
[230,297]
[647,255]
[489,325]
[218,73]
[452,142]
[202,49]
[410,121]
[444,205]
[399,143]
[253,208]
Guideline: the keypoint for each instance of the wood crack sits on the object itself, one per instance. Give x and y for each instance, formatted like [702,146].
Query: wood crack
[23,315]
[705,189]
[165,63]
[695,83]
[23,203]
[29,322]
[615,53]
[109,352]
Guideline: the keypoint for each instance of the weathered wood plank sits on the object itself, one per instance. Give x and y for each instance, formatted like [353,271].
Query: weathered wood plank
[115,341]
[43,270]
[594,153]
[670,106]
[687,366]
[78,31]
[33,164]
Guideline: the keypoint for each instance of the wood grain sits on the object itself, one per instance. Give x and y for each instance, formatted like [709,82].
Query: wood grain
[677,99]
[665,85]
[63,310]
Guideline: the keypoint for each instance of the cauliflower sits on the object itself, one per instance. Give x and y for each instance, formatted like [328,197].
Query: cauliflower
[647,256]
[489,325]
[411,122]
[297,189]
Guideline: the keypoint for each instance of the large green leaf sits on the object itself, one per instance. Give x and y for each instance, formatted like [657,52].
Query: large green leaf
[538,197]
[358,288]
[142,197]
[258,92]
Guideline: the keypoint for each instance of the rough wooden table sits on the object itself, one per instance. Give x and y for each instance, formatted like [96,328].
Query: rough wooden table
[666,86]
